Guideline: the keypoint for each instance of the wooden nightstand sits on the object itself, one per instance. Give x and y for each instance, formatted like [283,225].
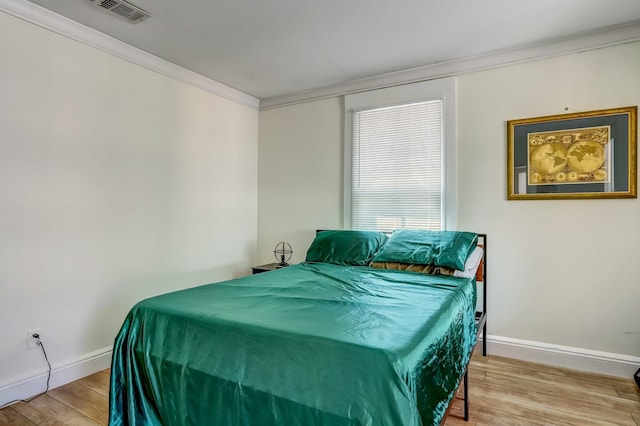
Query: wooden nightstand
[264,268]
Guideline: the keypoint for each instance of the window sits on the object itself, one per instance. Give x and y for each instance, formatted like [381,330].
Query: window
[399,157]
[397,167]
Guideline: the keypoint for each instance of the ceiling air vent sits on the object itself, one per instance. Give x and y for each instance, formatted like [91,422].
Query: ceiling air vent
[122,9]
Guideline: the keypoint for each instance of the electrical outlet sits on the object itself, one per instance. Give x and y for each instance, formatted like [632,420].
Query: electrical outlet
[32,343]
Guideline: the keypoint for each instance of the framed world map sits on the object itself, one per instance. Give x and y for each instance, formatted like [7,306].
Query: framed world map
[577,155]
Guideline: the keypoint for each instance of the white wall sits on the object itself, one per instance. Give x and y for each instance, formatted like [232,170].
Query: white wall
[561,272]
[299,175]
[116,183]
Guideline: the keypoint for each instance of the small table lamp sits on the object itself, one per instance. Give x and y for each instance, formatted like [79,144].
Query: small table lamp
[283,254]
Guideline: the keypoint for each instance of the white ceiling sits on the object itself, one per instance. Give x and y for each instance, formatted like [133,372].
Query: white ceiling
[274,48]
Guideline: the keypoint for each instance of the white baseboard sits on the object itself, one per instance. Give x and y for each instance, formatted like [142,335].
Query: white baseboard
[608,363]
[61,374]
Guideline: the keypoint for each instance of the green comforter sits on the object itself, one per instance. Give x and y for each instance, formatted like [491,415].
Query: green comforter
[310,344]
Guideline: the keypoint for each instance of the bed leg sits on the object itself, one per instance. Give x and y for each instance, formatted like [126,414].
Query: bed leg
[484,339]
[466,395]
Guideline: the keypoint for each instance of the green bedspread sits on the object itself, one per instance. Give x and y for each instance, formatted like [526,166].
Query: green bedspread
[310,344]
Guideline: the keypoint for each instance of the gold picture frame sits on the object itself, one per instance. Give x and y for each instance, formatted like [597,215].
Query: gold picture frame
[589,154]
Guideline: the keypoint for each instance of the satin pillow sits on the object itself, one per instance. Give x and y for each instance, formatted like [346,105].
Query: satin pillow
[345,247]
[472,264]
[449,249]
[412,267]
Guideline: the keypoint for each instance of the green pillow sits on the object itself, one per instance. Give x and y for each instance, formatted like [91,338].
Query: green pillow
[421,247]
[345,247]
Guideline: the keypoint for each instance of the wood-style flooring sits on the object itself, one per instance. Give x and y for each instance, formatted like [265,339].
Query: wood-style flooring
[502,392]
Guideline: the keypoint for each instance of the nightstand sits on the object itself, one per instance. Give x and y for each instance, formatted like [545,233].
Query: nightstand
[264,268]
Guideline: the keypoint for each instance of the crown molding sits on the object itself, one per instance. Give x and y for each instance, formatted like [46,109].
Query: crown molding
[610,36]
[49,20]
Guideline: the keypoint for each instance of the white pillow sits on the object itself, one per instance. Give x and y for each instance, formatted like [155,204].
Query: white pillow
[471,265]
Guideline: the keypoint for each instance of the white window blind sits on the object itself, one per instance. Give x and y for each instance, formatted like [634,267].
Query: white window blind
[397,167]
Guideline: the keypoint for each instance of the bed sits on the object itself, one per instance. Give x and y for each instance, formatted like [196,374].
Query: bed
[349,337]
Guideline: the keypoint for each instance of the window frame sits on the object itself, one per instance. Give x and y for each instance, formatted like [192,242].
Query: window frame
[443,89]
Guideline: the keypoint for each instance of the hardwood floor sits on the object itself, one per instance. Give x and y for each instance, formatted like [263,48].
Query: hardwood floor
[83,402]
[502,392]
[505,391]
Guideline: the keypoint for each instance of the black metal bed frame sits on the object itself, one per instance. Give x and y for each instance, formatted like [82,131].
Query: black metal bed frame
[481,322]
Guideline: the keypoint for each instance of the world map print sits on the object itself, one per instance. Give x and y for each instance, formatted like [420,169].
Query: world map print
[569,156]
